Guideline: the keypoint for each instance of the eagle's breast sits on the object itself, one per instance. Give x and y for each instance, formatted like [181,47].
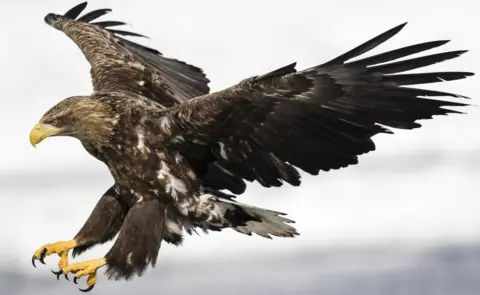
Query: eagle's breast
[143,167]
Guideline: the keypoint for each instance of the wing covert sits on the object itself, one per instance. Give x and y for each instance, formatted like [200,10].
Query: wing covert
[318,119]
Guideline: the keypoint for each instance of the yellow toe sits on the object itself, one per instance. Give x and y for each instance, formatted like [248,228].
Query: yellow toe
[60,248]
[92,279]
[63,260]
[56,248]
[85,268]
[88,268]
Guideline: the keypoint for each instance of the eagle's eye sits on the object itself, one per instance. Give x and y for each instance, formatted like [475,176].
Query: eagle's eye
[54,122]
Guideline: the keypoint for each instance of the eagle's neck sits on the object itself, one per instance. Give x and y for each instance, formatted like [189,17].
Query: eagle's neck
[127,153]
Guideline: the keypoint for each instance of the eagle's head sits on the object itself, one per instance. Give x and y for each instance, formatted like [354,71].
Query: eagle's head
[85,118]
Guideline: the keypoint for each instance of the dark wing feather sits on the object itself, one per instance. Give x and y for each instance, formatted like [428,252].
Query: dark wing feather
[317,119]
[93,15]
[126,33]
[119,64]
[106,24]
[75,11]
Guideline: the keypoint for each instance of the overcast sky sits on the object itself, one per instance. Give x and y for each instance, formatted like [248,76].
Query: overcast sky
[419,187]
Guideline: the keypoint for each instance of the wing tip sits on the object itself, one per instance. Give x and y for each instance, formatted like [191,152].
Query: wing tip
[75,11]
[461,52]
[366,46]
[442,42]
[400,26]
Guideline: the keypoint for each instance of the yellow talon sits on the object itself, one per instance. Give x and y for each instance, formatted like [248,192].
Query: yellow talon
[88,268]
[60,248]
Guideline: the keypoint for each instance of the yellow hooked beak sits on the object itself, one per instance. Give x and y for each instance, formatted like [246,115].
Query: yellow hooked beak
[41,131]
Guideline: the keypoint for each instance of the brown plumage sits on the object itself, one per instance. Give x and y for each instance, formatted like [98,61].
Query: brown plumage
[122,65]
[171,146]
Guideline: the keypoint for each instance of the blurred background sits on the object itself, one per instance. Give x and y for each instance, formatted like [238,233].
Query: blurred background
[404,221]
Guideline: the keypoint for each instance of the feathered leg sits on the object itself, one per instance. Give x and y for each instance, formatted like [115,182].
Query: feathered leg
[102,225]
[104,222]
[134,248]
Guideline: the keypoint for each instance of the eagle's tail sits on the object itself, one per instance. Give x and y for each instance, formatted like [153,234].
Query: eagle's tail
[263,222]
[221,212]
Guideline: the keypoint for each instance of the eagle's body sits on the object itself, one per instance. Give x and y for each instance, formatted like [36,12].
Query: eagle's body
[142,150]
[173,148]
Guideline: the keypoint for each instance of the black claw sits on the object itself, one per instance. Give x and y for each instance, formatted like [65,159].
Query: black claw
[57,273]
[75,280]
[88,289]
[33,261]
[42,255]
[60,272]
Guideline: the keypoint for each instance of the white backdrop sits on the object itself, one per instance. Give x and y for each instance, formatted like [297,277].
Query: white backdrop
[419,188]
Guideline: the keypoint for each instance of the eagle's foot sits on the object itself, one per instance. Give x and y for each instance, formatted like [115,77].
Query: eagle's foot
[88,268]
[60,248]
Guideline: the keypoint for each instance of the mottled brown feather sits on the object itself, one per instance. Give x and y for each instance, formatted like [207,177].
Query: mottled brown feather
[104,222]
[118,64]
[138,242]
[318,119]
[170,146]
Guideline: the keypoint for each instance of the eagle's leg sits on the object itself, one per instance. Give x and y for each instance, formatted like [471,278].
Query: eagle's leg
[137,245]
[139,240]
[103,224]
[88,268]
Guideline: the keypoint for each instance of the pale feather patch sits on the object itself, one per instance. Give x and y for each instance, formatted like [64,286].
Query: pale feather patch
[178,139]
[115,119]
[138,65]
[129,258]
[178,158]
[165,124]
[137,195]
[173,184]
[223,152]
[163,171]
[141,141]
[213,207]
[173,227]
[197,141]
[191,174]
[176,186]
[133,64]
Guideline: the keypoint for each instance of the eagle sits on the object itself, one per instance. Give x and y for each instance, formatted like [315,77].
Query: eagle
[180,155]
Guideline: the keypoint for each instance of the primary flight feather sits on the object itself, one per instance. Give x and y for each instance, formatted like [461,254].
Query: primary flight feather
[172,147]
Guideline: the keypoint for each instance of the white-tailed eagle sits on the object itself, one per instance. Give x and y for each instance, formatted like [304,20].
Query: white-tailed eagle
[173,148]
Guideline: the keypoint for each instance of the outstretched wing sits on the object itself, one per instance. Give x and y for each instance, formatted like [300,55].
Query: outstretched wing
[118,64]
[320,118]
